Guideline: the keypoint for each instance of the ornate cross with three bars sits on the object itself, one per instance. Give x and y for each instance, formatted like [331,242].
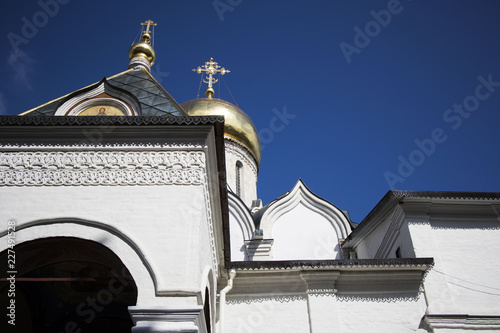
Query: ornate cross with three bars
[146,37]
[148,24]
[210,68]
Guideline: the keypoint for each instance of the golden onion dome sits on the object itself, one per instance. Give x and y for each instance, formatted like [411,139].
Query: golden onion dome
[237,124]
[144,49]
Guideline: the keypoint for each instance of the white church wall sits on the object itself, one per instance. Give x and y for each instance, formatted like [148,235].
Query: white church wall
[162,221]
[349,316]
[324,312]
[304,234]
[267,315]
[464,279]
[380,315]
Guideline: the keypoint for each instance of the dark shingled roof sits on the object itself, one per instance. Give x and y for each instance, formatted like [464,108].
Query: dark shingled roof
[153,99]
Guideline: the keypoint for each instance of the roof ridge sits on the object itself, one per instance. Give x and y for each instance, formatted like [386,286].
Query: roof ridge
[68,94]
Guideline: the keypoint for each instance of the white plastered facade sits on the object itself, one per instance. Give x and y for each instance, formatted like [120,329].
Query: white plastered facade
[155,206]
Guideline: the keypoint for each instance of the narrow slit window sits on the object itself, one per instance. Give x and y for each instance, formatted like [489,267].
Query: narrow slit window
[398,252]
[239,167]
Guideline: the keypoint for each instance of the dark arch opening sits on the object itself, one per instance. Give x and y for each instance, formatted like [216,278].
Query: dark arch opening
[66,284]
[206,312]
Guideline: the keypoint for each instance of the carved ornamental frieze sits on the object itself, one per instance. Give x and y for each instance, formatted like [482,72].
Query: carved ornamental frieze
[59,168]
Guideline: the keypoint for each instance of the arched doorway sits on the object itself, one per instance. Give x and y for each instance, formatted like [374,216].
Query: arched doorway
[66,284]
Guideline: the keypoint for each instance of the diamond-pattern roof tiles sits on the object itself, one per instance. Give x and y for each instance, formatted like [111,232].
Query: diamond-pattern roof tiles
[153,98]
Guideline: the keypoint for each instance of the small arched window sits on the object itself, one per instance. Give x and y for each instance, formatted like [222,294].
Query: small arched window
[239,176]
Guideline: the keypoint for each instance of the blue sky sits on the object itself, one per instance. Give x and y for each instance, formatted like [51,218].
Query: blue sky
[376,94]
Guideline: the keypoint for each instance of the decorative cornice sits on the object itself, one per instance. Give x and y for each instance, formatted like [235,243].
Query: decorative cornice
[101,160]
[283,298]
[384,280]
[101,168]
[103,177]
[82,146]
[110,120]
[320,283]
[378,299]
[420,263]
[447,195]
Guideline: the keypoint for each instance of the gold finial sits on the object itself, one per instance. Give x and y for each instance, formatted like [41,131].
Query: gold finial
[146,37]
[142,54]
[210,68]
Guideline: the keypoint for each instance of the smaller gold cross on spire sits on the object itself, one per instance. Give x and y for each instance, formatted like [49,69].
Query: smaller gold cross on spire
[210,68]
[146,37]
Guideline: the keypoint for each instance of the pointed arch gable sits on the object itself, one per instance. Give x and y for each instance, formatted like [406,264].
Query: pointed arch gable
[300,194]
[101,93]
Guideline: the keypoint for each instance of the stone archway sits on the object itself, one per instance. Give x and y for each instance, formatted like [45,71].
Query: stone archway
[67,284]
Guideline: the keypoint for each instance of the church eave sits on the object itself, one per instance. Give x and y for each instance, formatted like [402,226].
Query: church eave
[111,120]
[422,264]
[392,198]
[381,280]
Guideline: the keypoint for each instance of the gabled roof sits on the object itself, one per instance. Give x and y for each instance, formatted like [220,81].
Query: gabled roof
[392,198]
[154,100]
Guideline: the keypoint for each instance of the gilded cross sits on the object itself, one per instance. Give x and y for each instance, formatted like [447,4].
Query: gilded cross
[148,23]
[146,37]
[210,68]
